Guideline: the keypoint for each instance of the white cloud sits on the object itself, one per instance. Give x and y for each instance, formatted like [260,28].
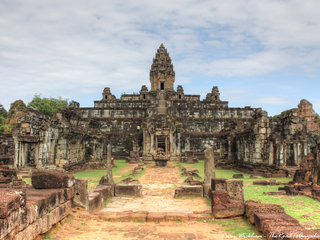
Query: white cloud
[53,47]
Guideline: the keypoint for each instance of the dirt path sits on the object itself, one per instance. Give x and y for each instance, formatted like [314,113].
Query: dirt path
[83,226]
[160,181]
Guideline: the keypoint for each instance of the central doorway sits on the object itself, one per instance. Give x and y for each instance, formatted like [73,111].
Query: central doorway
[161,143]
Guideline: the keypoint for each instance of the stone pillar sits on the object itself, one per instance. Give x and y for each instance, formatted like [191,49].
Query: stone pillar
[179,144]
[171,142]
[229,149]
[152,143]
[209,171]
[271,157]
[109,164]
[108,179]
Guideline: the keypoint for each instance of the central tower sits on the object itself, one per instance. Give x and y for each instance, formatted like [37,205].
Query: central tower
[161,73]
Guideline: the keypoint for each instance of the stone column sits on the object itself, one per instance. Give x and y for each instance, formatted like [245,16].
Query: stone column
[179,144]
[152,143]
[229,149]
[209,171]
[108,179]
[171,142]
[271,157]
[109,164]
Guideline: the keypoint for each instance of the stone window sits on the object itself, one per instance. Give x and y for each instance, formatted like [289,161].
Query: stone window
[162,85]
[106,96]
[144,96]
[179,96]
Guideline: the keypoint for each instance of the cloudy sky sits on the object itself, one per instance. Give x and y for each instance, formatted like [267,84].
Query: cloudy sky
[262,53]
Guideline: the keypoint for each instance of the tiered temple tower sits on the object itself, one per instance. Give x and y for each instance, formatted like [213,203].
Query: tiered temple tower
[162,74]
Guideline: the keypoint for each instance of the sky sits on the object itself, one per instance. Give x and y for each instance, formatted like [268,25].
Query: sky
[262,53]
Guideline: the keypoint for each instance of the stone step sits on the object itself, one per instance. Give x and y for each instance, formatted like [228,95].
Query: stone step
[134,216]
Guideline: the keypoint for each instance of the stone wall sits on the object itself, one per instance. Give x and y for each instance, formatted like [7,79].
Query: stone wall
[63,141]
[241,136]
[6,148]
[25,213]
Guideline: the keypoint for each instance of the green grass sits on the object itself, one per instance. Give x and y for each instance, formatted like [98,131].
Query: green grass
[27,180]
[304,209]
[94,175]
[128,174]
[237,226]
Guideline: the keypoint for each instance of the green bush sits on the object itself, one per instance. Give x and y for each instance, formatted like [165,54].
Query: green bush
[48,106]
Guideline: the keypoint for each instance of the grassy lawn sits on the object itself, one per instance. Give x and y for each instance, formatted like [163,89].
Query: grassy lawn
[94,175]
[304,209]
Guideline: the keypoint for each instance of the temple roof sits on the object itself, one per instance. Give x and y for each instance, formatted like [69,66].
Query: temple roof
[162,61]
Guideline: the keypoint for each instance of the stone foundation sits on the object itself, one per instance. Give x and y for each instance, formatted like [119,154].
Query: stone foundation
[128,190]
[187,191]
[226,198]
[25,213]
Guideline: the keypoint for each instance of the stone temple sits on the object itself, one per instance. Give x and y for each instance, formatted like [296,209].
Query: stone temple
[164,118]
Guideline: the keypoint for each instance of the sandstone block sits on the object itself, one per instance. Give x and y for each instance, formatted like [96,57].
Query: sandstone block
[259,218]
[219,197]
[235,189]
[10,201]
[188,190]
[156,217]
[128,190]
[233,209]
[252,207]
[81,197]
[139,216]
[45,179]
[104,190]
[218,184]
[237,176]
[176,217]
[95,201]
[261,182]
[275,230]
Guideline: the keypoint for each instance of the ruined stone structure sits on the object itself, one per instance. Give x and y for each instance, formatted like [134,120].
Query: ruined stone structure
[164,118]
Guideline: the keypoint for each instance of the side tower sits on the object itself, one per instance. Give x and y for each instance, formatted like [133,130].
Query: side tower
[161,73]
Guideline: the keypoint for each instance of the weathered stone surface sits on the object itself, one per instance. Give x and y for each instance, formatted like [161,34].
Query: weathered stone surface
[259,218]
[105,191]
[95,201]
[219,197]
[128,190]
[235,189]
[45,179]
[218,184]
[24,214]
[231,209]
[237,176]
[81,197]
[209,170]
[185,190]
[10,201]
[176,217]
[156,217]
[253,207]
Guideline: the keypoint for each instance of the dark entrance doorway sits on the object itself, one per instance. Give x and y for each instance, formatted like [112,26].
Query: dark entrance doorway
[162,143]
[162,85]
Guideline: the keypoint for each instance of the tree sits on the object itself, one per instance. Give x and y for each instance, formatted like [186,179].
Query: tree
[48,106]
[3,117]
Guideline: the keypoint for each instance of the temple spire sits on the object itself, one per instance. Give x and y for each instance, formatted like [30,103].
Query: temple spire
[162,74]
